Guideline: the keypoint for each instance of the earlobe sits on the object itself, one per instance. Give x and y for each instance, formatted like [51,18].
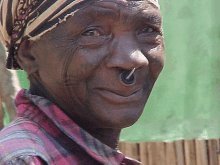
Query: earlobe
[25,58]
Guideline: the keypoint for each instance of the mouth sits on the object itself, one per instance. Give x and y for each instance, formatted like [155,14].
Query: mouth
[116,97]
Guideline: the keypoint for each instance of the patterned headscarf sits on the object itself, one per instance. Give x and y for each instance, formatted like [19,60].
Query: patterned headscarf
[28,19]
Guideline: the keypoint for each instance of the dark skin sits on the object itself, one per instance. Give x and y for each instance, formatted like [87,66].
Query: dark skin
[78,64]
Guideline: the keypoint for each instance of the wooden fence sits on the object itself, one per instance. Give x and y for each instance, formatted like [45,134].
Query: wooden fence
[181,152]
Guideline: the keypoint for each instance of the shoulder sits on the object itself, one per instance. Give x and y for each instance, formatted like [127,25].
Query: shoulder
[25,160]
[19,142]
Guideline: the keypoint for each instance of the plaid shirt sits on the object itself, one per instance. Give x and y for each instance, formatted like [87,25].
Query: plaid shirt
[43,134]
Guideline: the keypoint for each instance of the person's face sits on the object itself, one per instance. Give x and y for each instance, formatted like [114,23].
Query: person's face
[81,60]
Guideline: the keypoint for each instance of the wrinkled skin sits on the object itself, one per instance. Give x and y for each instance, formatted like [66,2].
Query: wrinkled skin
[78,64]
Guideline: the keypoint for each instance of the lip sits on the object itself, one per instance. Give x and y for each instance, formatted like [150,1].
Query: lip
[119,98]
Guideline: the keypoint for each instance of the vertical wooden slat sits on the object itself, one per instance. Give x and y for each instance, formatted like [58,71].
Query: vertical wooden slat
[212,153]
[136,151]
[215,145]
[198,160]
[170,154]
[143,153]
[218,150]
[187,152]
[179,152]
[201,152]
[192,150]
[152,153]
[122,147]
[131,150]
[160,149]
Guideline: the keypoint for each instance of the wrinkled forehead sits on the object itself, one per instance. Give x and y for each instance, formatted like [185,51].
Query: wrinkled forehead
[129,6]
[154,3]
[125,10]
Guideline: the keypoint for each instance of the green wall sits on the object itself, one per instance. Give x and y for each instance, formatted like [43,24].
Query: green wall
[23,79]
[185,102]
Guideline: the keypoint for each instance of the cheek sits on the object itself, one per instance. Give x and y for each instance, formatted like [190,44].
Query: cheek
[79,70]
[51,73]
[156,57]
[84,63]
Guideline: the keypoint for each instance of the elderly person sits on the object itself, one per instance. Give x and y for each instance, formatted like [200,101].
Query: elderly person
[91,64]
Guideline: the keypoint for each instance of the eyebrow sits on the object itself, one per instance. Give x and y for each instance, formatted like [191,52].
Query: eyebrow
[151,17]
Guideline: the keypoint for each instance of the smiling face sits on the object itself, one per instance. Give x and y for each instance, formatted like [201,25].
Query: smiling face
[81,64]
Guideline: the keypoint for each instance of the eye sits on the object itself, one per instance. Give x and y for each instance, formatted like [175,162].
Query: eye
[91,32]
[147,29]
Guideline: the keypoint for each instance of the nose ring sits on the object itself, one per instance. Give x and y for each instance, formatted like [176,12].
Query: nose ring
[128,77]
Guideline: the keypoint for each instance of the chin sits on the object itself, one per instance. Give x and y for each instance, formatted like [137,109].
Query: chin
[104,113]
[128,120]
[121,118]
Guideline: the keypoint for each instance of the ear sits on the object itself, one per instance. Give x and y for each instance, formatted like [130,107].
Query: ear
[25,59]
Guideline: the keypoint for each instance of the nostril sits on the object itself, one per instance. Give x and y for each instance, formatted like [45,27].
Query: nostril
[127,78]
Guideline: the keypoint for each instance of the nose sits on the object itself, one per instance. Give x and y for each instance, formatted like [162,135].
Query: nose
[127,54]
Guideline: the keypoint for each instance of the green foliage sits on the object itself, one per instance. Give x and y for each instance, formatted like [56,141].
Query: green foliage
[6,119]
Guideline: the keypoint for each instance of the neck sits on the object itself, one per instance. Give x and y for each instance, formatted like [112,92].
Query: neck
[38,89]
[108,136]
